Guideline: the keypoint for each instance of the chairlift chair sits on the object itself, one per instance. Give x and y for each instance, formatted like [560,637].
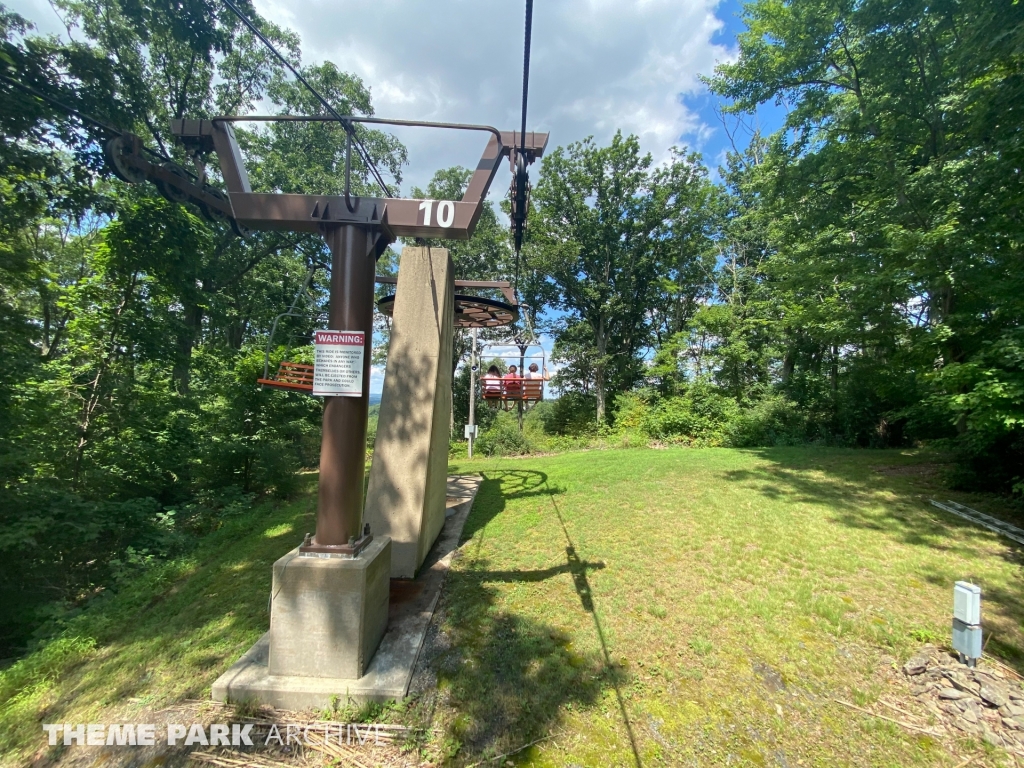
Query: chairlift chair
[514,389]
[290,376]
[470,311]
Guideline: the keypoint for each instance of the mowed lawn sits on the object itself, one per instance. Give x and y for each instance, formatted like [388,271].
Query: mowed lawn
[707,607]
[624,607]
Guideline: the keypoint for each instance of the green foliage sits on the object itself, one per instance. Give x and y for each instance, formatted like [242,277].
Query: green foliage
[612,234]
[503,438]
[573,414]
[771,420]
[700,416]
[703,415]
[134,330]
[891,281]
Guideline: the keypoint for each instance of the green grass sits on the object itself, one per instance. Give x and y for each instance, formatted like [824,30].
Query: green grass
[704,607]
[692,607]
[165,638]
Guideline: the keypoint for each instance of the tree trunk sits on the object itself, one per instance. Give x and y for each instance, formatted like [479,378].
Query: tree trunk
[599,370]
[92,402]
[181,373]
[788,365]
[834,373]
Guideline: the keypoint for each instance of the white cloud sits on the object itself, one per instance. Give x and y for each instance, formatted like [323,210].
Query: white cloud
[596,66]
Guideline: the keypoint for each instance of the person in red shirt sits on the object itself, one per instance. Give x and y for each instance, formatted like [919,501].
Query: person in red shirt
[513,382]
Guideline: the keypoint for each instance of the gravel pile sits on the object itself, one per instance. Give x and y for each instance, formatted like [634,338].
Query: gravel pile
[985,702]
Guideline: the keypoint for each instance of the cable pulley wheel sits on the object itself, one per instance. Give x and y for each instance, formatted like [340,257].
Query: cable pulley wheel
[210,213]
[172,191]
[116,151]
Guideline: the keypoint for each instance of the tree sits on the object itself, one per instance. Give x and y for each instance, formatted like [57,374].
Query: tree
[602,237]
[893,198]
[133,329]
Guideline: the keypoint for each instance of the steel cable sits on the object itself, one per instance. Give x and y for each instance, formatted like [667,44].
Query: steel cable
[346,124]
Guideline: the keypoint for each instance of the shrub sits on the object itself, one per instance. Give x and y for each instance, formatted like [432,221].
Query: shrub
[503,438]
[701,416]
[574,413]
[542,416]
[773,420]
[632,411]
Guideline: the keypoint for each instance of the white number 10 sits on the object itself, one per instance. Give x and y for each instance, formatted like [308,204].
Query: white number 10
[445,212]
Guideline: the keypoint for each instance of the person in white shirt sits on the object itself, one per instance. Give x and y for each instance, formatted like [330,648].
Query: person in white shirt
[490,382]
[534,373]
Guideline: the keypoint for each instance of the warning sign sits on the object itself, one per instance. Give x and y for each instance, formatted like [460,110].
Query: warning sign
[338,363]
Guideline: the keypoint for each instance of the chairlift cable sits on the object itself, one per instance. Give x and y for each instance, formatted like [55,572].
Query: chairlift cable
[77,113]
[346,124]
[527,36]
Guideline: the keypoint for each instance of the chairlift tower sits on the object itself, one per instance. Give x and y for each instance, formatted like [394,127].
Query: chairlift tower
[333,595]
[357,231]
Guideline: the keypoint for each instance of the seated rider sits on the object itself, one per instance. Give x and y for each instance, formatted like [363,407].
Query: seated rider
[533,387]
[490,382]
[513,382]
[533,373]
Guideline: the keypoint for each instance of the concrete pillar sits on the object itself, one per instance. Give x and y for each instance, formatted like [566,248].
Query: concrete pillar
[405,499]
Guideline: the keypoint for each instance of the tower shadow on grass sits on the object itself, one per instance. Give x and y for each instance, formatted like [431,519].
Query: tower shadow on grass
[578,568]
[499,486]
[506,677]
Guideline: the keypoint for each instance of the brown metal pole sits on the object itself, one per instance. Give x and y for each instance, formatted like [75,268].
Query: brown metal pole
[339,514]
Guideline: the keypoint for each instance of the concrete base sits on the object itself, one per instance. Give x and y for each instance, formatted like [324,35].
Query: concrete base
[328,612]
[411,606]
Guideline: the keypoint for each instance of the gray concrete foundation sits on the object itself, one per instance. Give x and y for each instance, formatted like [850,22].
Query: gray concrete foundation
[390,671]
[328,613]
[405,498]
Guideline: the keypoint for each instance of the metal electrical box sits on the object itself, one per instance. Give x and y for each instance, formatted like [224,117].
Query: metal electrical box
[967,602]
[967,621]
[967,639]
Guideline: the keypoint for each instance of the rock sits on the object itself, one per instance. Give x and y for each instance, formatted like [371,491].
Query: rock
[966,727]
[991,737]
[952,694]
[950,709]
[994,694]
[961,681]
[1014,710]
[916,665]
[1009,722]
[918,690]
[969,716]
